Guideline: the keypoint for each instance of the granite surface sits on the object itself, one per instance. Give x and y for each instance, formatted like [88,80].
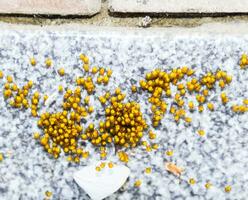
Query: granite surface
[219,157]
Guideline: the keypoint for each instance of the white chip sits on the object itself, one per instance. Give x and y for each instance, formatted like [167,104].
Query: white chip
[99,185]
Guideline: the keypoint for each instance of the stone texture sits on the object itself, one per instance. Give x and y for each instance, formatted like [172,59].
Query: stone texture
[179,6]
[220,157]
[51,7]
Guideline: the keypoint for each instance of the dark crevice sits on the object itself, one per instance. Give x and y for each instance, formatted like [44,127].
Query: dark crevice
[45,16]
[176,15]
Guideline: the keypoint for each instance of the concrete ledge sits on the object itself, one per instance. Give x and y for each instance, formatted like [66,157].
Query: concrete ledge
[51,7]
[233,29]
[178,6]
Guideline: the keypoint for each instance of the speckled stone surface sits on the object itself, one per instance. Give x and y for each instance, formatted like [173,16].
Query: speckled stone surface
[219,157]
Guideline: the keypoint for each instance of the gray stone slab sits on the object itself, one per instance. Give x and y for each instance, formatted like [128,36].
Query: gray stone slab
[51,7]
[178,6]
[220,157]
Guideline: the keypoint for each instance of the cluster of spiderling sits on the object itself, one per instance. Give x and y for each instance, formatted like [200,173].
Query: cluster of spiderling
[158,82]
[18,97]
[242,108]
[124,124]
[63,130]
[87,81]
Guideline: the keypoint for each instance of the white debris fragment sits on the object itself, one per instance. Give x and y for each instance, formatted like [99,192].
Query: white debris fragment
[101,184]
[145,22]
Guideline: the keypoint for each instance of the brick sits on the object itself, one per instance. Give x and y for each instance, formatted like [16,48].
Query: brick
[178,6]
[50,7]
